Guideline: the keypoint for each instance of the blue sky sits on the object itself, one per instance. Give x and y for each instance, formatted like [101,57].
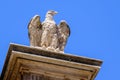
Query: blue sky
[94,24]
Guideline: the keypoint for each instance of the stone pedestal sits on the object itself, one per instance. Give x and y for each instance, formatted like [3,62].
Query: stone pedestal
[29,63]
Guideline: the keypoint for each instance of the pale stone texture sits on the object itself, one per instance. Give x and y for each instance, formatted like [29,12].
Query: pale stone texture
[47,34]
[30,63]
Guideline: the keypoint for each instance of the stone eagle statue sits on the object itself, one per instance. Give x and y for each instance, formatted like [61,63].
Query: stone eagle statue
[48,35]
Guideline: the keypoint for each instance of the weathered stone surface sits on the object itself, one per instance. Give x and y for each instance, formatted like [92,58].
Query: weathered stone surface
[30,63]
[47,34]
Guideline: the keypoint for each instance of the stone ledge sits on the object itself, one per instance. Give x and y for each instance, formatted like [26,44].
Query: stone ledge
[35,54]
[68,57]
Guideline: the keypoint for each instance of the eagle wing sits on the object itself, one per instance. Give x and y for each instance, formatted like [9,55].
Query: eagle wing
[63,34]
[64,28]
[35,31]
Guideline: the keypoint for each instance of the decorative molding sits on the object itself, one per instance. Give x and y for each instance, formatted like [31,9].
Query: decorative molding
[24,62]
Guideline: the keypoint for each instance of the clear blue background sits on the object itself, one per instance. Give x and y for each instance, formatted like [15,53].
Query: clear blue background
[94,24]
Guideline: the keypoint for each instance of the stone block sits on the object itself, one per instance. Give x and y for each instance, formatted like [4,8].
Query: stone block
[30,63]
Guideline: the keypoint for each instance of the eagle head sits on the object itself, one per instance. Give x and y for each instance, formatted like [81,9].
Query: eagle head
[52,12]
[49,15]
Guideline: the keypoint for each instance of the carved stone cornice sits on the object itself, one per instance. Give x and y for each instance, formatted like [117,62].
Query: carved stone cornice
[47,65]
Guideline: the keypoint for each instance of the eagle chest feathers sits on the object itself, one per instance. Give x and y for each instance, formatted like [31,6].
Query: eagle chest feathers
[49,34]
[50,27]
